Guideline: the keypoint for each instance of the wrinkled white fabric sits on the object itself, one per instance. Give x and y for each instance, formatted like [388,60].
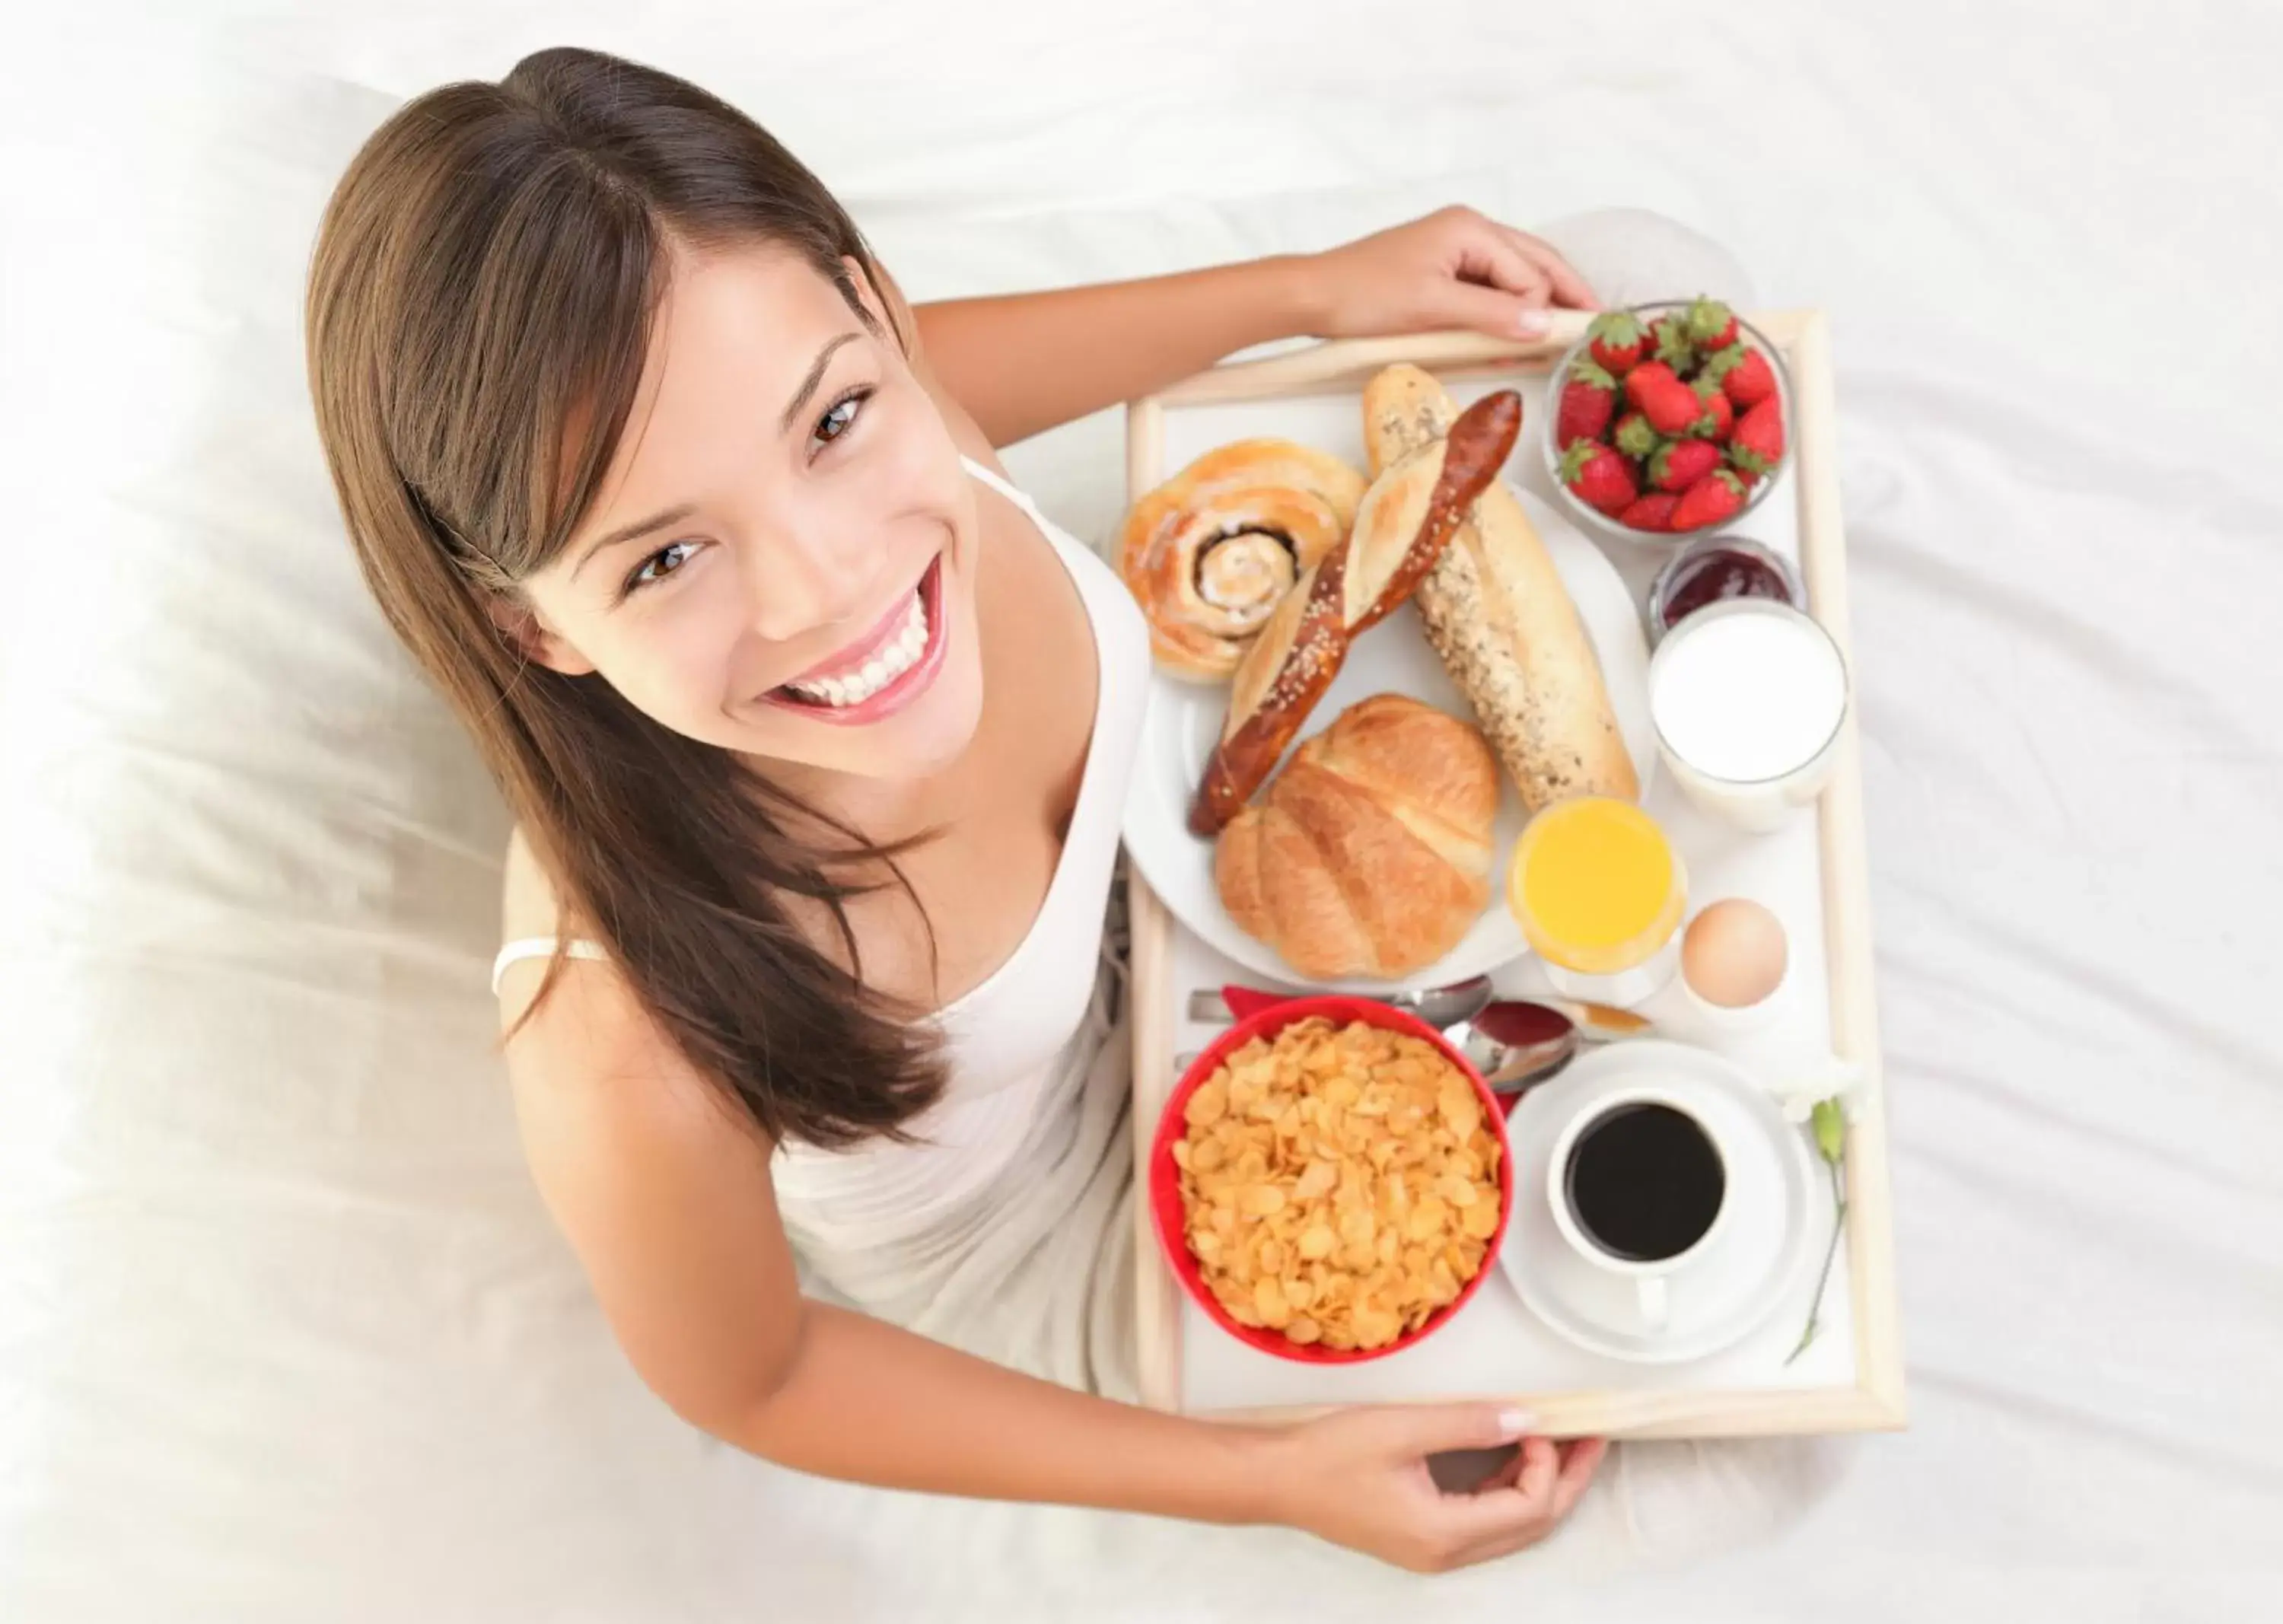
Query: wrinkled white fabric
[284,1332]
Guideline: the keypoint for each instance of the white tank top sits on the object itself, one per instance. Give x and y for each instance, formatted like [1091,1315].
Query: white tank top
[1003,1037]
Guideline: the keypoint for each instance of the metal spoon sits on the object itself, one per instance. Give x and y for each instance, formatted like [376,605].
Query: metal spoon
[1439,1006]
[1516,1045]
[1442,1008]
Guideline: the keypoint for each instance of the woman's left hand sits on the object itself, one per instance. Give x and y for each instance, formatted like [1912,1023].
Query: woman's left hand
[1454,267]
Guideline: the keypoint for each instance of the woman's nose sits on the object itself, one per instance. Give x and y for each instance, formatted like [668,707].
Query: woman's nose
[796,585]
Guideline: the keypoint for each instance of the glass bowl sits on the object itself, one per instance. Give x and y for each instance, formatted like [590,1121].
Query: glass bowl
[1591,520]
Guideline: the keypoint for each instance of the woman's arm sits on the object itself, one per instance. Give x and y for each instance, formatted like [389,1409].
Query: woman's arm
[1025,361]
[666,1198]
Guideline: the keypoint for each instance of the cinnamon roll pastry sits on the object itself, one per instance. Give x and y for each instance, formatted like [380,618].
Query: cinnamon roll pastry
[1209,553]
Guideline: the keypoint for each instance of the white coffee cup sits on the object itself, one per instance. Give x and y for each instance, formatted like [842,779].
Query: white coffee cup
[1649,1276]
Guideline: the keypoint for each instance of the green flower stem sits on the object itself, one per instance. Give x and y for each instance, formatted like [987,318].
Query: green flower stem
[1830,1131]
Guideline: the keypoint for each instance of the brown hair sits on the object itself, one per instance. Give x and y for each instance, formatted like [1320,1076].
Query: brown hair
[480,307]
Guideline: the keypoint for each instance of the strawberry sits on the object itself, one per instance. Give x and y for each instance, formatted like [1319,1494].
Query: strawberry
[1633,436]
[1712,324]
[1598,476]
[1618,340]
[1718,496]
[1749,381]
[1717,364]
[1651,512]
[1757,444]
[1588,399]
[1679,463]
[1719,417]
[1657,391]
[1669,342]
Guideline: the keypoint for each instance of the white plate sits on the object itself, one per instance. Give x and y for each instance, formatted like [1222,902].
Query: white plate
[1760,1257]
[1185,719]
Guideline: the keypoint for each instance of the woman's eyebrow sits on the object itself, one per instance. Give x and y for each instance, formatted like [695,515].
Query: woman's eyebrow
[676,514]
[815,377]
[673,515]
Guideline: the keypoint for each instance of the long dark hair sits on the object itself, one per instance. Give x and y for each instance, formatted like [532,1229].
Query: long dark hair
[479,307]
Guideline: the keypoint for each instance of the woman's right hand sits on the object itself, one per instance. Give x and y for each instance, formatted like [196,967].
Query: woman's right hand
[1360,1478]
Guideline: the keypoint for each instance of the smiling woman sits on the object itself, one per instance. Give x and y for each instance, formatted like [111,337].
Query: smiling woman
[782,558]
[817,733]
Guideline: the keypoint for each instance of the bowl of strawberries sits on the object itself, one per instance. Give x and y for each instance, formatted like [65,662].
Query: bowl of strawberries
[1667,418]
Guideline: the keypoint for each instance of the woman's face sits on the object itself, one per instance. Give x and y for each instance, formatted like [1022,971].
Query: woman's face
[782,557]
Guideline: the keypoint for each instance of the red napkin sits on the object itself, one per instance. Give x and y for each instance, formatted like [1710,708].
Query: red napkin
[1246,1002]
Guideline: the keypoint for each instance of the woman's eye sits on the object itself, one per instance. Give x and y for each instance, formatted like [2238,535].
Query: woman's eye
[840,417]
[660,564]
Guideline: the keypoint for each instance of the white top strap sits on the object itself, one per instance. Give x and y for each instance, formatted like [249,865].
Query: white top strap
[541,947]
[1020,498]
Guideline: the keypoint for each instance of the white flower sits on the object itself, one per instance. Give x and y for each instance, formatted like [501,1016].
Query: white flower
[1800,1083]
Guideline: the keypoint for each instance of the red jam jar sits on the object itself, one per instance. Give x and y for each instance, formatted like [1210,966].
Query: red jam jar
[1713,569]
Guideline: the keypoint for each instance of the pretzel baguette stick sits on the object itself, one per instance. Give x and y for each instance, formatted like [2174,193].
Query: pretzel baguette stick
[1306,639]
[1417,503]
[1405,520]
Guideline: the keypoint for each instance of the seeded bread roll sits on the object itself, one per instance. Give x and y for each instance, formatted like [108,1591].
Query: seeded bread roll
[1502,622]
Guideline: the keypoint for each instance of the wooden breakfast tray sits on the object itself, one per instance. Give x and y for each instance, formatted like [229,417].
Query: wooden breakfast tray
[1852,1379]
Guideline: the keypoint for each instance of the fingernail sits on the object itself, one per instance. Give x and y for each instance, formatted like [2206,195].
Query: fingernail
[1517,1423]
[1532,324]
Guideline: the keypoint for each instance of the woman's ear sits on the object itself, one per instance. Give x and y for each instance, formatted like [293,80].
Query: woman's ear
[527,632]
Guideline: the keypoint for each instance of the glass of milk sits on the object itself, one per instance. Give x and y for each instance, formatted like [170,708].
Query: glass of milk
[1747,697]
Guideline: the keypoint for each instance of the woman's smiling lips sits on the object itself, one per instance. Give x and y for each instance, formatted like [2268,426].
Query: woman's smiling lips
[882,672]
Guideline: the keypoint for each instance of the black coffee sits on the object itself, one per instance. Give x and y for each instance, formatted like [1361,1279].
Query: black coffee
[1645,1182]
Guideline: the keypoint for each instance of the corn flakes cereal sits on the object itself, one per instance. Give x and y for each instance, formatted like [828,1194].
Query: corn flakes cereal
[1338,1184]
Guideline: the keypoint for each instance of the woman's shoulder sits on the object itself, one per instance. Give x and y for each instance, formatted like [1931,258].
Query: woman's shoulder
[531,911]
[570,1051]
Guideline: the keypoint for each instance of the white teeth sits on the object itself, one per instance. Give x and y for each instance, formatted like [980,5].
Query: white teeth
[899,654]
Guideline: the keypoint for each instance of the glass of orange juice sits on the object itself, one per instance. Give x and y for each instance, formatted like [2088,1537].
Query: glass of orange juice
[1599,892]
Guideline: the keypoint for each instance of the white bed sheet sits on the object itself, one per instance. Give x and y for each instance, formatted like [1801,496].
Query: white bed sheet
[283,1334]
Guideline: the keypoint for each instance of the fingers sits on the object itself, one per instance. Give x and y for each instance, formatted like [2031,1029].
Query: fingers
[1577,1467]
[1420,1430]
[1546,1483]
[1507,1475]
[1493,1520]
[1541,1462]
[1490,255]
[1518,1506]
[1569,288]
[1493,310]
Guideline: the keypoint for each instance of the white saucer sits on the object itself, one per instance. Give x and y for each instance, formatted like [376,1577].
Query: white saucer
[1759,1259]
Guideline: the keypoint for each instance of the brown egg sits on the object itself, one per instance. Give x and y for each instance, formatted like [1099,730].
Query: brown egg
[1734,953]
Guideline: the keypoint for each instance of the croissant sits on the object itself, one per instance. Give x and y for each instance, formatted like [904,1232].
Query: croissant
[1370,854]
[1210,552]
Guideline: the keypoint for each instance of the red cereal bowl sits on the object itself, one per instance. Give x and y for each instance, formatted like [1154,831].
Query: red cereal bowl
[1165,1191]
